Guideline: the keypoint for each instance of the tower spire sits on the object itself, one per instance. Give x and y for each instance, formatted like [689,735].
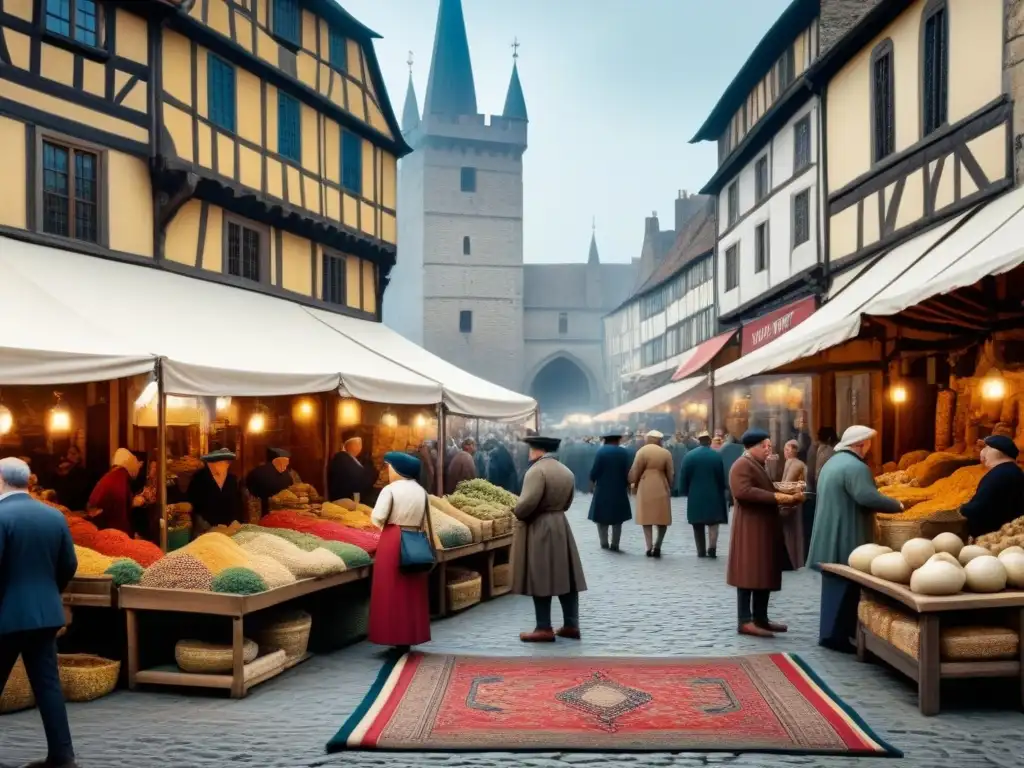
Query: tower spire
[450,87]
[593,257]
[411,110]
[515,102]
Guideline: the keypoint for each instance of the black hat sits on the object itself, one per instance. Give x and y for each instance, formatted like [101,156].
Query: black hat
[1003,444]
[221,454]
[548,444]
[277,453]
[612,436]
[753,437]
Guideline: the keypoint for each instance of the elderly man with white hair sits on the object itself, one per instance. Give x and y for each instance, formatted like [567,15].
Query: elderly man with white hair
[843,520]
[37,560]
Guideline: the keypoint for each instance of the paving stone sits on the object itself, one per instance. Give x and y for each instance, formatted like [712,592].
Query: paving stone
[675,606]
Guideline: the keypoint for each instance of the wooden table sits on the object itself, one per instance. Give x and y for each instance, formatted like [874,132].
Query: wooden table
[235,607]
[91,591]
[928,669]
[488,548]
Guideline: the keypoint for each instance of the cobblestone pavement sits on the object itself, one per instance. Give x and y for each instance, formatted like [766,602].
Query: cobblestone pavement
[676,606]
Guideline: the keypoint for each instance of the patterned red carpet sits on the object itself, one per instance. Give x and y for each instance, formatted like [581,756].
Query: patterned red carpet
[766,703]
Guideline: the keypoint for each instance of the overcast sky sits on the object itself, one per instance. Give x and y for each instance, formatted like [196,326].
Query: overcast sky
[615,90]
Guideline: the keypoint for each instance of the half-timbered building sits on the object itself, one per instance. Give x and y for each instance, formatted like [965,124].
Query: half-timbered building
[249,142]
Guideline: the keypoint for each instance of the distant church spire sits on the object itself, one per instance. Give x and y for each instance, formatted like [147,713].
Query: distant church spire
[411,110]
[515,102]
[450,88]
[593,257]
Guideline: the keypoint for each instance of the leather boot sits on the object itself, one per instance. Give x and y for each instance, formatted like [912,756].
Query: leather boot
[700,541]
[538,636]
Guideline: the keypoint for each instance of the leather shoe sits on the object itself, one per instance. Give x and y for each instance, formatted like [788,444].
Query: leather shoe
[750,628]
[712,553]
[569,633]
[773,626]
[48,764]
[537,636]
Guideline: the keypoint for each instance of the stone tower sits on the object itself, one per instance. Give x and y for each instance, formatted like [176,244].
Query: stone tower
[457,288]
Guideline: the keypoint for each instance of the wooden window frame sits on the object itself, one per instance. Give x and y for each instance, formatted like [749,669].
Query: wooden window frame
[805,193]
[732,212]
[762,255]
[931,9]
[102,186]
[799,168]
[358,190]
[734,249]
[264,252]
[210,58]
[70,40]
[465,327]
[342,260]
[286,98]
[762,194]
[882,50]
[467,172]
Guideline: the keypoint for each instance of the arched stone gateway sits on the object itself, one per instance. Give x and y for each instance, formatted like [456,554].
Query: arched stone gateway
[561,387]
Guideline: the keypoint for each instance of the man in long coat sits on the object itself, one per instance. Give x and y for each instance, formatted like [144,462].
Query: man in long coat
[609,477]
[756,545]
[847,497]
[462,466]
[545,562]
[703,485]
[652,475]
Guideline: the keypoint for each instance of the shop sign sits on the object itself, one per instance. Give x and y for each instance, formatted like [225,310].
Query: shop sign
[766,329]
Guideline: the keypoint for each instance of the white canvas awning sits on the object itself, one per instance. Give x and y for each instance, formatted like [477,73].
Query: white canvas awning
[463,392]
[215,339]
[653,400]
[985,241]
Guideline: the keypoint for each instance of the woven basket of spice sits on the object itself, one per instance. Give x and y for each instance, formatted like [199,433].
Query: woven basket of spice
[465,588]
[204,658]
[895,533]
[86,678]
[17,694]
[288,632]
[502,575]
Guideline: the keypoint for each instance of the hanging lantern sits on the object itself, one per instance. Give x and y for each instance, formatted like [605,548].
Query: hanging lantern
[993,386]
[349,412]
[6,420]
[60,419]
[898,394]
[258,420]
[421,421]
[223,403]
[388,419]
[304,409]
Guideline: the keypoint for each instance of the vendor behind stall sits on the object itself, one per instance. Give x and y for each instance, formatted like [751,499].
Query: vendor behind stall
[1000,493]
[271,478]
[214,493]
[111,502]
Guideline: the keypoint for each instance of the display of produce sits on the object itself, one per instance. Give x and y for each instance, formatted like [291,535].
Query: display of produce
[91,562]
[125,572]
[1013,562]
[945,408]
[985,573]
[353,556]
[301,497]
[273,573]
[917,552]
[238,581]
[949,543]
[178,572]
[113,543]
[861,558]
[970,552]
[216,551]
[354,517]
[448,532]
[909,459]
[938,466]
[892,566]
[485,491]
[325,529]
[896,477]
[1010,535]
[500,517]
[944,495]
[299,563]
[480,529]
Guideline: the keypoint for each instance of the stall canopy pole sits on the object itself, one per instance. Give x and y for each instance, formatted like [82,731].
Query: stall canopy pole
[326,411]
[711,410]
[441,439]
[161,451]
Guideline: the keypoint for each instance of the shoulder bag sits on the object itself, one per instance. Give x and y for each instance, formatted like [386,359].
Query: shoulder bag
[416,552]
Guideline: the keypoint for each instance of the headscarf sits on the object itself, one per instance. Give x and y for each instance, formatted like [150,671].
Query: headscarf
[126,460]
[855,434]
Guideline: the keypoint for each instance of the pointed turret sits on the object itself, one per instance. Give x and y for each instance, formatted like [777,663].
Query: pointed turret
[411,110]
[515,102]
[450,88]
[593,257]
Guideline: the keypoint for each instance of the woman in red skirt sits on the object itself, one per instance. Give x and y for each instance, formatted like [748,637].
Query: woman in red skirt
[399,601]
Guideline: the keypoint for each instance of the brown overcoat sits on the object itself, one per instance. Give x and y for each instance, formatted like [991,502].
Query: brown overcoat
[652,474]
[756,545]
[545,561]
[793,517]
[462,467]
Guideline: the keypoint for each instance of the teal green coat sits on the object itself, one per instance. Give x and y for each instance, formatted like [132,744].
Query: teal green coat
[843,509]
[703,484]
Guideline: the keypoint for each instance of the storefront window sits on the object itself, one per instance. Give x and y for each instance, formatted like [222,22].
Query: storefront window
[780,405]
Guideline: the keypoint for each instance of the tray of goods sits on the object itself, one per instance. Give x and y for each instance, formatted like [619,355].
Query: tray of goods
[898,477]
[790,487]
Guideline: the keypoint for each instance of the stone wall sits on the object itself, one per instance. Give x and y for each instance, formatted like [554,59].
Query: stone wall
[1013,77]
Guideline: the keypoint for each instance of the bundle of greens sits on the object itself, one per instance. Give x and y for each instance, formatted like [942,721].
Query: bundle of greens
[485,491]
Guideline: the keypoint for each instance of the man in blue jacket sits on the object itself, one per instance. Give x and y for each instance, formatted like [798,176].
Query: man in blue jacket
[37,560]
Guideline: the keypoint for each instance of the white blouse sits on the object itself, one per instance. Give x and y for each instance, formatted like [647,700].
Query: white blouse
[400,503]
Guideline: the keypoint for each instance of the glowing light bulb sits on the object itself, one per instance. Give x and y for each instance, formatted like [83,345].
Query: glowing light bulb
[223,403]
[6,420]
[898,394]
[257,423]
[305,409]
[60,420]
[993,388]
[421,421]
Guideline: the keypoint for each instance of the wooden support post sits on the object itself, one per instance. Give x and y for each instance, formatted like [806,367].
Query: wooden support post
[929,670]
[237,659]
[440,448]
[161,451]
[132,624]
[488,576]
[442,589]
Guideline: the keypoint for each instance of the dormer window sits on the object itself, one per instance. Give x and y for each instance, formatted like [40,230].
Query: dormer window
[77,20]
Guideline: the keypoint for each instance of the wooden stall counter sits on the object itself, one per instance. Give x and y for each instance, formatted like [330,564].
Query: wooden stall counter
[91,592]
[489,550]
[928,669]
[235,607]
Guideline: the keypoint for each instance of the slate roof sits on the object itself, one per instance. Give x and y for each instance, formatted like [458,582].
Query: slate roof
[515,101]
[450,88]
[564,286]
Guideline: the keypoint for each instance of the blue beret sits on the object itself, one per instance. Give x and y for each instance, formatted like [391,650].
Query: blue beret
[1003,444]
[407,466]
[753,436]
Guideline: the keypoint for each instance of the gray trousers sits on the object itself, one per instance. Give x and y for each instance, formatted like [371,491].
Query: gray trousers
[602,532]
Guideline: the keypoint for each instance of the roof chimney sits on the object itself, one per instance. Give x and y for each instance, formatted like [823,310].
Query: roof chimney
[651,225]
[686,207]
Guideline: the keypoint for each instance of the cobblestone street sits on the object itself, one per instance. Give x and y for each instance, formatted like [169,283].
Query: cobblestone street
[636,606]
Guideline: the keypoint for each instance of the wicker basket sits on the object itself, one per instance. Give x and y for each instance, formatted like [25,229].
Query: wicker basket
[210,658]
[17,694]
[87,678]
[465,588]
[502,575]
[979,643]
[895,533]
[264,664]
[288,632]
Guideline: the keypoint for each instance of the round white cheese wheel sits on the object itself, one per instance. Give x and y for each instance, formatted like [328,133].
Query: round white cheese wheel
[944,557]
[985,574]
[917,551]
[1014,550]
[862,556]
[892,566]
[970,552]
[1014,565]
[948,542]
[938,578]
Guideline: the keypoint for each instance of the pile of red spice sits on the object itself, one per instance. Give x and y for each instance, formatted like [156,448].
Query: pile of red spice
[113,543]
[325,529]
